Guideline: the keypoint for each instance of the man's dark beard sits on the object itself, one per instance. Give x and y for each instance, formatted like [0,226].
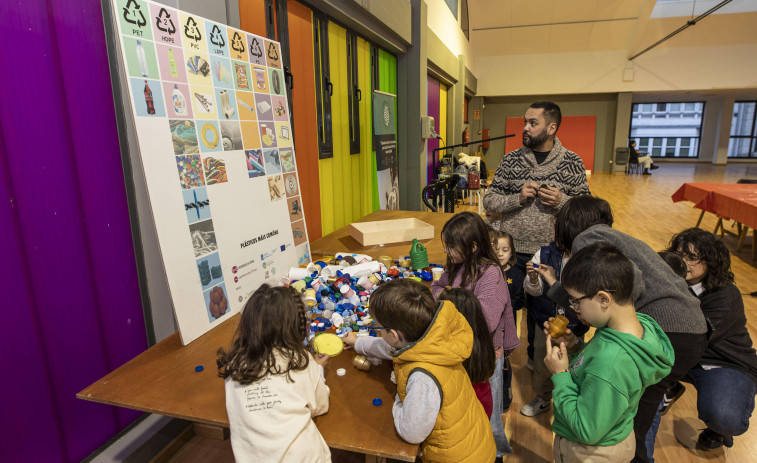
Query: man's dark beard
[534,141]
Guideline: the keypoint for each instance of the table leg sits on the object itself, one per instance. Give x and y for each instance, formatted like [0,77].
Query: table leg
[743,232]
[700,220]
[754,244]
[719,225]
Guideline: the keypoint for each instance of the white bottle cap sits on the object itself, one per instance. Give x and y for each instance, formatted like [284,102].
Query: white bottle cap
[341,372]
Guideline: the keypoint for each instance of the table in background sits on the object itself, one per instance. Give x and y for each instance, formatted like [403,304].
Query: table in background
[736,201]
[163,379]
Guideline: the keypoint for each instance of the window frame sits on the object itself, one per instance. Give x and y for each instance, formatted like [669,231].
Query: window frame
[324,89]
[751,136]
[355,94]
[658,145]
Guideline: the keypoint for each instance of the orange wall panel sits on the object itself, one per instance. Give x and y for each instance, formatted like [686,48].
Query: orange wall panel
[304,113]
[576,133]
[252,16]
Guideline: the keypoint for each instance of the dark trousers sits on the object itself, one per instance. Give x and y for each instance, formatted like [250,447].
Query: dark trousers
[688,350]
[520,266]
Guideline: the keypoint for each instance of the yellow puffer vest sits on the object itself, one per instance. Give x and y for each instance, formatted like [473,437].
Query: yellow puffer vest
[462,432]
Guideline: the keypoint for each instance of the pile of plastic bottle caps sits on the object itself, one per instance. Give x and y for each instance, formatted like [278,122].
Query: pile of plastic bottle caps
[337,291]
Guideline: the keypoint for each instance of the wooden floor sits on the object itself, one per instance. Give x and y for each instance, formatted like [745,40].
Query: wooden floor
[642,208]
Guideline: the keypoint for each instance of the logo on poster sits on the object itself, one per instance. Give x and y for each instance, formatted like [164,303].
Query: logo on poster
[255,48]
[216,38]
[191,31]
[272,52]
[164,23]
[130,15]
[237,44]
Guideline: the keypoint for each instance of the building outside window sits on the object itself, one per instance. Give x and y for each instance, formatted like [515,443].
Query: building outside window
[743,141]
[667,130]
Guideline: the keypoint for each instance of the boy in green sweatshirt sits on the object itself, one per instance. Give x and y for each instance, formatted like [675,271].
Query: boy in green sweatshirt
[598,385]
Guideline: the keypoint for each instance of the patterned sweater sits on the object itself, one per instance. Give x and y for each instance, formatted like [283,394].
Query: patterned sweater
[532,224]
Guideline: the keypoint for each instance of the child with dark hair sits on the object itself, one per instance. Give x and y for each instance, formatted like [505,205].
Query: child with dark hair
[598,385]
[504,248]
[658,292]
[675,262]
[268,351]
[480,364]
[729,362]
[428,342]
[549,260]
[472,264]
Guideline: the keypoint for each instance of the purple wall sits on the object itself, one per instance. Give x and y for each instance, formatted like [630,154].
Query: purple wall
[72,306]
[433,111]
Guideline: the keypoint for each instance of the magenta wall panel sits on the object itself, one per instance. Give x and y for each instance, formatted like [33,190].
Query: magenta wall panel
[433,111]
[74,311]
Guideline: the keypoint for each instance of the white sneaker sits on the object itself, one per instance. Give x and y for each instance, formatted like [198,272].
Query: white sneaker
[536,407]
[530,364]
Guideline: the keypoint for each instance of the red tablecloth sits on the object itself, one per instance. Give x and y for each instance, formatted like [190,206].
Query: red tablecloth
[737,201]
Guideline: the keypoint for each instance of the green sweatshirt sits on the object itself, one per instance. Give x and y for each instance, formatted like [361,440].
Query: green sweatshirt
[595,403]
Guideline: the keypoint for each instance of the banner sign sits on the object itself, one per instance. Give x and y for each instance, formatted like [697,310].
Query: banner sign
[214,134]
[385,142]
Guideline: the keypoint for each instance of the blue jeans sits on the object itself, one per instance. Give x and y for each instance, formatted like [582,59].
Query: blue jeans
[503,446]
[725,399]
[652,433]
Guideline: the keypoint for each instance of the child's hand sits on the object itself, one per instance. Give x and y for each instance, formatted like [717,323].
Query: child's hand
[533,277]
[349,340]
[548,273]
[322,359]
[571,340]
[557,357]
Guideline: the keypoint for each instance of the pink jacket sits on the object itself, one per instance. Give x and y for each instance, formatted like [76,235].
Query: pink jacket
[491,290]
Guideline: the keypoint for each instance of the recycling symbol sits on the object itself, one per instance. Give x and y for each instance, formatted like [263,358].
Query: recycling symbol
[255,48]
[191,30]
[216,37]
[273,53]
[164,22]
[130,14]
[237,44]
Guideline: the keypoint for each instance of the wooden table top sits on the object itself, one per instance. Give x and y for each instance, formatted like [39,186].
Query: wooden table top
[163,379]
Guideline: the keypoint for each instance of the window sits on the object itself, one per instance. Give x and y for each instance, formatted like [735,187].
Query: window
[667,130]
[323,86]
[743,141]
[464,22]
[355,95]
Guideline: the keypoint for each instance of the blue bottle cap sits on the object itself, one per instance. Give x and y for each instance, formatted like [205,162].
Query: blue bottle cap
[377,401]
[199,368]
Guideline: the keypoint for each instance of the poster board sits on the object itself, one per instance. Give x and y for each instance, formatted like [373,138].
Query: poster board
[214,134]
[385,145]
[576,133]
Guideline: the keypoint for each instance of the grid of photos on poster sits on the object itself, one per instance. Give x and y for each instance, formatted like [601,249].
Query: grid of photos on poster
[222,90]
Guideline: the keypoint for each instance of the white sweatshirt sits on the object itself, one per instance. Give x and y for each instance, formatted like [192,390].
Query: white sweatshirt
[271,420]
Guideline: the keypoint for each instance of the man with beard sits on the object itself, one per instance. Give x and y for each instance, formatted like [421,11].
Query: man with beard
[529,188]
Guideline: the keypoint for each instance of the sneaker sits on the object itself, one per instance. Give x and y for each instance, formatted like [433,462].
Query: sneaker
[710,440]
[530,364]
[671,396]
[536,407]
[654,166]
[646,172]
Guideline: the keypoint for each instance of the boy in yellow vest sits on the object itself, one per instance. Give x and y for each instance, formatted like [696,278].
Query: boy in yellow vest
[436,405]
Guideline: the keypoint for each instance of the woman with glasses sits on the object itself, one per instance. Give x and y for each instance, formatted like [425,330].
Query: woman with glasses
[726,376]
[658,292]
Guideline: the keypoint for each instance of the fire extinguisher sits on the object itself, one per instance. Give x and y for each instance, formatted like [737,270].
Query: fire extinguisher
[466,135]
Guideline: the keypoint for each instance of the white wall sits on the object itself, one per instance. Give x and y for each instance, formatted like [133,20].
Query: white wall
[664,69]
[447,28]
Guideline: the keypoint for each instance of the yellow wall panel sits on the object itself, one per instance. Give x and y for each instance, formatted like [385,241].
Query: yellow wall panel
[442,115]
[346,179]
